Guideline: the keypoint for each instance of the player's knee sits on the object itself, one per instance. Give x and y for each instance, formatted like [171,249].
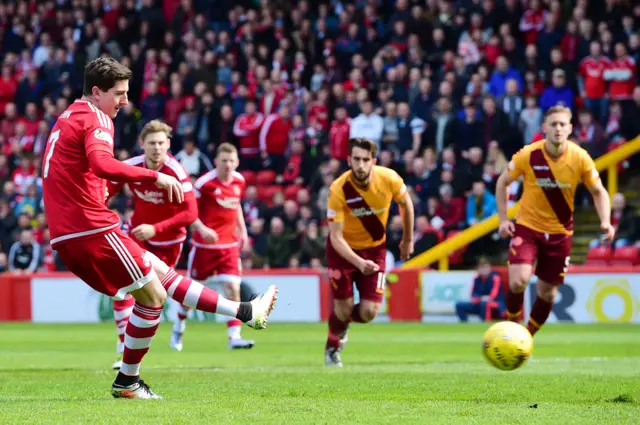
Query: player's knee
[369,312]
[546,291]
[343,310]
[518,283]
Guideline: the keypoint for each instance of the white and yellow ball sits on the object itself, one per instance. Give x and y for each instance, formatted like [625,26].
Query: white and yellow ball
[507,345]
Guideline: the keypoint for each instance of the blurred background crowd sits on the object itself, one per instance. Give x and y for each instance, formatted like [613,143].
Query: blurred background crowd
[449,90]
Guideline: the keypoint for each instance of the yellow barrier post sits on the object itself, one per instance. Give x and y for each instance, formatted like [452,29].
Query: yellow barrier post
[440,253]
[612,179]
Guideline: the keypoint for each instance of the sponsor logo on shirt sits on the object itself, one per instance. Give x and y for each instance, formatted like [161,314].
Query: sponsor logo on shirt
[548,183]
[362,212]
[230,203]
[152,196]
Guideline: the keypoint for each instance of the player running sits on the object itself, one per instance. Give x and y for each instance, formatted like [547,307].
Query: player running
[552,169]
[78,160]
[220,232]
[358,209]
[157,225]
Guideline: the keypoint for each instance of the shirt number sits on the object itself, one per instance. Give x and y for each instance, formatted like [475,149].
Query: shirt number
[53,138]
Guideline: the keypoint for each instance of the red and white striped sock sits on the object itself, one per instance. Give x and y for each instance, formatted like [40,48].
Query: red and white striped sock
[142,326]
[233,328]
[121,312]
[181,324]
[196,295]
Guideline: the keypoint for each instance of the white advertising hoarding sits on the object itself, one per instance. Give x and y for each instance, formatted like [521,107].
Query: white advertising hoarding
[69,300]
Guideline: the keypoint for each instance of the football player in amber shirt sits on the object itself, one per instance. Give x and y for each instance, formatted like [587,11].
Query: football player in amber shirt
[358,210]
[551,169]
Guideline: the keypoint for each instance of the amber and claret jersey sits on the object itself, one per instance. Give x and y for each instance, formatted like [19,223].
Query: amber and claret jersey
[151,204]
[364,211]
[550,185]
[218,203]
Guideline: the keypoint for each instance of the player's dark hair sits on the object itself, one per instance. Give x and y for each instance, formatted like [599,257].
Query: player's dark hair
[362,143]
[104,73]
[226,148]
[482,260]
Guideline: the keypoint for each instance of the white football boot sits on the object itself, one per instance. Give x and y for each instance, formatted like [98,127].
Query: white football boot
[137,390]
[261,308]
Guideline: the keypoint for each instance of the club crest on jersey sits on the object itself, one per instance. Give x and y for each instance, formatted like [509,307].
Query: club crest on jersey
[103,135]
[236,190]
[152,196]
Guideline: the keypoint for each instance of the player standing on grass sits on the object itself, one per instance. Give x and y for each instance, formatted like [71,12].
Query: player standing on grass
[77,162]
[220,233]
[552,169]
[358,210]
[157,225]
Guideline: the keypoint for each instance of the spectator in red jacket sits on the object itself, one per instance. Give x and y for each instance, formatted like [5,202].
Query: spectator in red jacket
[274,139]
[450,209]
[339,135]
[247,127]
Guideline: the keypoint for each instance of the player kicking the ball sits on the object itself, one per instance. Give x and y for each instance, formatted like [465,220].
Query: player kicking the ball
[358,210]
[552,169]
[220,232]
[77,162]
[157,225]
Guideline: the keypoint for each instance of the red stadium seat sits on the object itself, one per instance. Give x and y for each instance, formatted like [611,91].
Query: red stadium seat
[625,256]
[457,256]
[266,177]
[249,177]
[265,193]
[598,256]
[291,192]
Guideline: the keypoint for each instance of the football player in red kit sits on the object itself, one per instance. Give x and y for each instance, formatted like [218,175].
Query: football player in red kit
[157,225]
[78,161]
[219,234]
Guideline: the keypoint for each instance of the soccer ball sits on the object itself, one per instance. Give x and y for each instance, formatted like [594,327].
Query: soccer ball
[507,345]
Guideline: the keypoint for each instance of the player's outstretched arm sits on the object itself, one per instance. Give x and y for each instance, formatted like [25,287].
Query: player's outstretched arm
[338,242]
[603,207]
[407,213]
[507,228]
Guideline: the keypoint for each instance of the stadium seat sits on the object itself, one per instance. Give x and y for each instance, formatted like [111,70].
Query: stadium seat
[457,256]
[625,256]
[291,192]
[265,177]
[598,256]
[265,193]
[249,177]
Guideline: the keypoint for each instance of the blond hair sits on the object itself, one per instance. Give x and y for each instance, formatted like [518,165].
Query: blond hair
[155,126]
[226,148]
[558,109]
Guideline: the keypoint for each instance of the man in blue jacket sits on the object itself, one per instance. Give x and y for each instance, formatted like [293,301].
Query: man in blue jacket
[559,93]
[486,296]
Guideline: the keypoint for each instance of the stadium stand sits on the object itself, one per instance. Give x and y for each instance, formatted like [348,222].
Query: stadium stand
[448,89]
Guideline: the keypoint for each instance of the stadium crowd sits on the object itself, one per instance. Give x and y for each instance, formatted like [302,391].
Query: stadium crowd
[447,89]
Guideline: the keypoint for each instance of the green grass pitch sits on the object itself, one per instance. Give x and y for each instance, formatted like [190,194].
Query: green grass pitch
[394,374]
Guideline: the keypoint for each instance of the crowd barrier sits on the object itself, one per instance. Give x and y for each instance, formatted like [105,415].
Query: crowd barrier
[590,295]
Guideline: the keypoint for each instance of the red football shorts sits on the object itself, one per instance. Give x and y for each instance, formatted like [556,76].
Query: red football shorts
[552,251]
[170,254]
[343,274]
[223,263]
[111,263]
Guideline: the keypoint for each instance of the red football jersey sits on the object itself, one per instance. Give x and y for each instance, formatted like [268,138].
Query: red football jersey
[73,194]
[592,70]
[622,76]
[151,204]
[218,204]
